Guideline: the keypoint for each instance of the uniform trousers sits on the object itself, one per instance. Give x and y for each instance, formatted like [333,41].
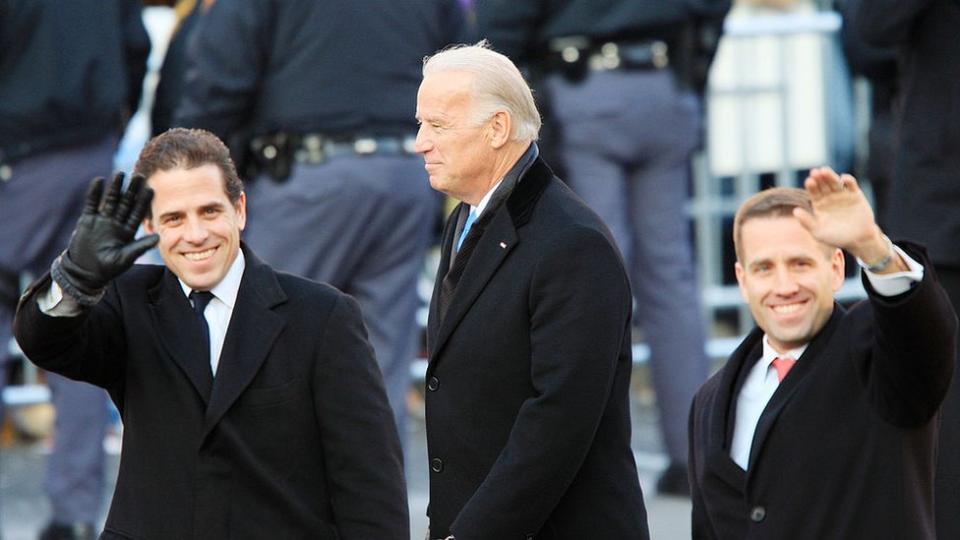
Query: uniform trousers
[362,224]
[626,139]
[39,206]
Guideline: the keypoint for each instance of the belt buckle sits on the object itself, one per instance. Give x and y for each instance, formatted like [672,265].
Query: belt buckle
[312,149]
[365,146]
[659,54]
[607,59]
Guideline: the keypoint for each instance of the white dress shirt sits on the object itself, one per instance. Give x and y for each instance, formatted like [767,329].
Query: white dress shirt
[217,313]
[762,382]
[220,308]
[482,205]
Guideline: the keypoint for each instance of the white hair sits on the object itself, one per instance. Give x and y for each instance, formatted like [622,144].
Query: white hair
[497,85]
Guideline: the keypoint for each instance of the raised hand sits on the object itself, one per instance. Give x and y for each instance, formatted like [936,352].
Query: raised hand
[103,246]
[842,215]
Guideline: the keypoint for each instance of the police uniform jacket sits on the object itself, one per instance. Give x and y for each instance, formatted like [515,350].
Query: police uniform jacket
[70,72]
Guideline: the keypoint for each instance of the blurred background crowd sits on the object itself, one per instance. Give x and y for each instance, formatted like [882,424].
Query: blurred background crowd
[663,115]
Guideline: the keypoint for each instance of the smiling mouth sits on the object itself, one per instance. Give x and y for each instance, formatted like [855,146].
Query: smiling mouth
[788,309]
[200,255]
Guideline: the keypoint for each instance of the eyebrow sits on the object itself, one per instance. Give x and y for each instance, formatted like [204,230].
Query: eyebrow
[789,259]
[213,205]
[208,206]
[171,214]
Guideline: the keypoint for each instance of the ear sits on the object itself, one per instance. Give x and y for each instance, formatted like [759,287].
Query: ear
[837,267]
[241,208]
[148,225]
[500,127]
[741,280]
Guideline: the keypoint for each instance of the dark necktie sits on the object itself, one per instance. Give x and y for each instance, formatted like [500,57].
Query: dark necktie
[200,300]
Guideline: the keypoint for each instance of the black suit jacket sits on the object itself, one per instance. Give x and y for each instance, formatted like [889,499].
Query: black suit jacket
[528,421]
[846,447]
[292,439]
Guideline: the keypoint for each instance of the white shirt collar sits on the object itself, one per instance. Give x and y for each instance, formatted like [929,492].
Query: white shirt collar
[478,209]
[226,291]
[519,168]
[770,354]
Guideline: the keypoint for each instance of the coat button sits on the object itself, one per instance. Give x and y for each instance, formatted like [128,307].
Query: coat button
[433,384]
[436,465]
[758,514]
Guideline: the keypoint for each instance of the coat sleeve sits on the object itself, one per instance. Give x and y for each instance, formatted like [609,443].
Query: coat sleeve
[136,49]
[884,22]
[359,437]
[226,58]
[89,347]
[511,26]
[907,356]
[580,307]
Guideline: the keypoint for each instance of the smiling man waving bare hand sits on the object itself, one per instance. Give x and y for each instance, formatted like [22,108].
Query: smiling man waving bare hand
[821,403]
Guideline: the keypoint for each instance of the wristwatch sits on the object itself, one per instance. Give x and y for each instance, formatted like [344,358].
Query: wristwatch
[883,263]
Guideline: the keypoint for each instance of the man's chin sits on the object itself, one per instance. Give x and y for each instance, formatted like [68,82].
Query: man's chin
[198,281]
[791,339]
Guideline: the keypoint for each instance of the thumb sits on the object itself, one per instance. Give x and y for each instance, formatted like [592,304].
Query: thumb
[805,218]
[131,252]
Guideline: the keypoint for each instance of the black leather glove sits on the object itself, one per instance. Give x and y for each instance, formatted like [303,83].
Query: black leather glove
[102,246]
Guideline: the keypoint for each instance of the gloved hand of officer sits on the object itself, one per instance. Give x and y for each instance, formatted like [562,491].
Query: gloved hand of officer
[102,246]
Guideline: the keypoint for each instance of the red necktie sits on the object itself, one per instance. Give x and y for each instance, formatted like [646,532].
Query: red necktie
[782,365]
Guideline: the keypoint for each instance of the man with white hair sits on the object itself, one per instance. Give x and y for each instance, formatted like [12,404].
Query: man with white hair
[528,420]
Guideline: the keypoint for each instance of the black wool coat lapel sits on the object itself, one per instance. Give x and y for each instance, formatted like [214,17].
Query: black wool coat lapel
[482,252]
[254,327]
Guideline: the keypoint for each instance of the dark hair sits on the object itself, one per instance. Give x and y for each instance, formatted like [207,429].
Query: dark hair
[181,148]
[773,202]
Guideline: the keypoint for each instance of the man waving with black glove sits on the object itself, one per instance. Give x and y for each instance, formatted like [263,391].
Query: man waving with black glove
[102,246]
[228,375]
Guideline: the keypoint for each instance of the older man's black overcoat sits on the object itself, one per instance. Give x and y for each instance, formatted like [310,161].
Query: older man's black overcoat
[528,420]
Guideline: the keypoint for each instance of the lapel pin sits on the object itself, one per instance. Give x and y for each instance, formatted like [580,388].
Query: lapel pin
[503,245]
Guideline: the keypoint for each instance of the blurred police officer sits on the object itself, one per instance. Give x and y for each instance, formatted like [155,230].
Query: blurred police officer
[70,74]
[318,98]
[622,79]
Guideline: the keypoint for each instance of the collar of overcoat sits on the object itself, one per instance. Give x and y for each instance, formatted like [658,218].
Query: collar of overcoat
[254,326]
[498,239]
[723,407]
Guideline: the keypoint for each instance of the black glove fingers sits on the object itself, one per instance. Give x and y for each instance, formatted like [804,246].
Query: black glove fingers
[127,199]
[132,251]
[140,207]
[94,193]
[112,196]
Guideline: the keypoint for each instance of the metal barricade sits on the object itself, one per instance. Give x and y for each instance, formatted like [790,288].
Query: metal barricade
[773,85]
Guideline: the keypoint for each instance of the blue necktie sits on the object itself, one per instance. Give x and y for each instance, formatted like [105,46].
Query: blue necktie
[466,227]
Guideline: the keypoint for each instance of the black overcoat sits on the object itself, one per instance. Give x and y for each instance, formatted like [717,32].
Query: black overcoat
[292,439]
[528,419]
[846,447]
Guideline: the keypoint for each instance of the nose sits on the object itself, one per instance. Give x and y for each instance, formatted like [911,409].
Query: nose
[422,143]
[785,284]
[196,231]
